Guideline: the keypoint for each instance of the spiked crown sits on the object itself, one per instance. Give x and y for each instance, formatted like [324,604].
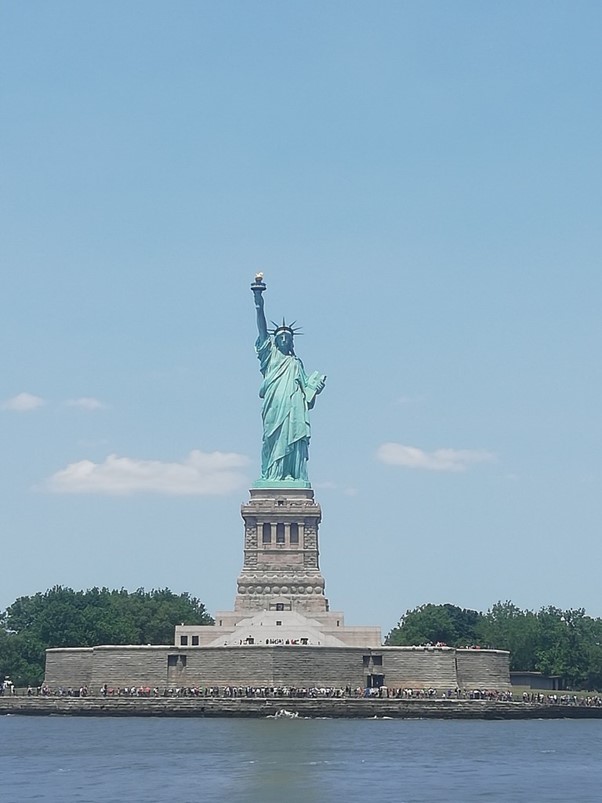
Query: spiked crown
[284,327]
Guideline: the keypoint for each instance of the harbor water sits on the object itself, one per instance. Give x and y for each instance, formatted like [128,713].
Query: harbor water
[155,760]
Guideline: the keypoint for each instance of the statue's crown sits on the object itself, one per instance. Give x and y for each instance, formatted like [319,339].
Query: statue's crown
[284,327]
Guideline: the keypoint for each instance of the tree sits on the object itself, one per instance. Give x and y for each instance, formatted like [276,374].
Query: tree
[565,646]
[62,617]
[593,653]
[8,655]
[552,641]
[447,624]
[507,627]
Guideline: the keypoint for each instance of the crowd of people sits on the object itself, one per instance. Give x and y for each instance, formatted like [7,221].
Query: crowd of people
[562,699]
[318,692]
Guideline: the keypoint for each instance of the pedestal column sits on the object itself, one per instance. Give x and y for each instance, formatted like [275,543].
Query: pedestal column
[281,574]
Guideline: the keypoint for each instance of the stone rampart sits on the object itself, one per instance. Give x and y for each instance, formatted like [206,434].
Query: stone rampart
[130,666]
[424,667]
[69,667]
[439,668]
[480,669]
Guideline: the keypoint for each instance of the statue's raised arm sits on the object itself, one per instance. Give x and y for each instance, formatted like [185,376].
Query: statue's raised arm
[288,394]
[258,288]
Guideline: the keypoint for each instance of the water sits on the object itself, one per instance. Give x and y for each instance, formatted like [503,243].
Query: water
[106,760]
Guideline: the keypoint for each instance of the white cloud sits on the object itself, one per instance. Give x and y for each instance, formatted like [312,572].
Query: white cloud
[396,454]
[23,403]
[86,403]
[199,474]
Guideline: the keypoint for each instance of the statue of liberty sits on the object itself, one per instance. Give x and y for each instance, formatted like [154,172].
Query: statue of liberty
[288,395]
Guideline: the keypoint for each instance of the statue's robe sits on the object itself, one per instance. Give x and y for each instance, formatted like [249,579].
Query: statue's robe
[288,395]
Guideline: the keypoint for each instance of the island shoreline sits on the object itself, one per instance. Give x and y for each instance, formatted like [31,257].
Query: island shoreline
[315,708]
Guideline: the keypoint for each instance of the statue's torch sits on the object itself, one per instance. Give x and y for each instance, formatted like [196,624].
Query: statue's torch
[258,286]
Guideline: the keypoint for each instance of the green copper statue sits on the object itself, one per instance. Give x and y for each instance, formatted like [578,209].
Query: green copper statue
[288,394]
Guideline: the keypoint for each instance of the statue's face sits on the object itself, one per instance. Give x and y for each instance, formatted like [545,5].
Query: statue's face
[284,342]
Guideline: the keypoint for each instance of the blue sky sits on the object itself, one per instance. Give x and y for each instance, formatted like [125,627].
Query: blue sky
[420,184]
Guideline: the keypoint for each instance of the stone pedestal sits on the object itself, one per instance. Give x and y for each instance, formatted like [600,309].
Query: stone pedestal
[281,569]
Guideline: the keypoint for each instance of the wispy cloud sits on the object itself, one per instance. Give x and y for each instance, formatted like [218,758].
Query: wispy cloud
[86,403]
[396,454]
[23,403]
[199,474]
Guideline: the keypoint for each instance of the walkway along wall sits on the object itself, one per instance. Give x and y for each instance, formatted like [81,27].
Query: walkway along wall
[368,708]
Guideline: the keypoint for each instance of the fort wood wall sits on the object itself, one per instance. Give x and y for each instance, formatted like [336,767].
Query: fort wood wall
[402,667]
